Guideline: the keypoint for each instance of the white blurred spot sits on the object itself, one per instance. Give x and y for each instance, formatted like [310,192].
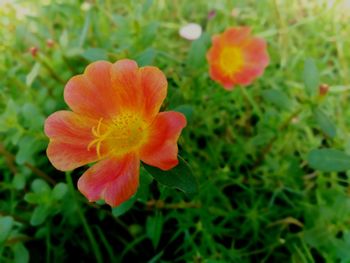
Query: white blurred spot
[191,31]
[235,12]
[85,6]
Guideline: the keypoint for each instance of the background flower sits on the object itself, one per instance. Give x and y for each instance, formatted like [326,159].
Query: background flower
[236,57]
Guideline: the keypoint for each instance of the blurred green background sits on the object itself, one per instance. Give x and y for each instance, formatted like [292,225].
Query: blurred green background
[266,192]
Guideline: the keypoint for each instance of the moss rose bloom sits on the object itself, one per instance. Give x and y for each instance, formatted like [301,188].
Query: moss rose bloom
[236,57]
[115,122]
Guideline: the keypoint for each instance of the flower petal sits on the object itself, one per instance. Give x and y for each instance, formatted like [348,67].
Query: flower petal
[246,76]
[236,35]
[223,79]
[91,93]
[114,180]
[126,83]
[139,89]
[161,149]
[255,53]
[154,87]
[70,135]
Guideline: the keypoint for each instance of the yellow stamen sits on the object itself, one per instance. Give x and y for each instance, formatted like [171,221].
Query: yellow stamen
[120,135]
[231,59]
[96,131]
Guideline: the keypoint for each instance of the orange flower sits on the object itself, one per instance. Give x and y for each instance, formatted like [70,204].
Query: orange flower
[115,120]
[236,57]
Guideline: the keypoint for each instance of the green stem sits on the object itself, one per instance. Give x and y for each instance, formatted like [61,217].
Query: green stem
[106,244]
[282,34]
[251,101]
[269,145]
[51,71]
[10,158]
[48,242]
[86,226]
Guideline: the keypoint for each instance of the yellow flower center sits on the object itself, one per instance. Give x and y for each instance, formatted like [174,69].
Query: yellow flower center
[231,60]
[123,134]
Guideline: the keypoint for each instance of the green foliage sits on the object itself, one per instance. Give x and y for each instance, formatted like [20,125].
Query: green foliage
[93,54]
[180,177]
[154,227]
[46,200]
[278,98]
[6,223]
[196,55]
[186,110]
[329,160]
[124,207]
[270,162]
[311,77]
[21,254]
[325,123]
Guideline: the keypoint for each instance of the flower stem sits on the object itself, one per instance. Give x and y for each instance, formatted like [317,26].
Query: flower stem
[10,159]
[251,101]
[50,70]
[86,226]
[269,145]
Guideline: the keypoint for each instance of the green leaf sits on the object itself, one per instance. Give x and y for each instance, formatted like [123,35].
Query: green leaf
[33,74]
[40,186]
[32,198]
[148,34]
[85,30]
[39,215]
[19,181]
[41,232]
[146,57]
[63,40]
[6,223]
[143,192]
[339,89]
[8,119]
[262,138]
[186,110]
[325,123]
[34,119]
[346,237]
[59,191]
[196,55]
[278,98]
[21,253]
[146,5]
[157,257]
[124,207]
[311,77]
[154,227]
[28,146]
[93,54]
[180,177]
[318,237]
[73,52]
[329,160]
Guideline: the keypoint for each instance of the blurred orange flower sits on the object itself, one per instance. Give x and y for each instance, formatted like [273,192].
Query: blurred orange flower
[115,121]
[236,57]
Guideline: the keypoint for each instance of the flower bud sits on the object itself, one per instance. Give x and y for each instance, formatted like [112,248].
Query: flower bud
[323,89]
[34,51]
[50,43]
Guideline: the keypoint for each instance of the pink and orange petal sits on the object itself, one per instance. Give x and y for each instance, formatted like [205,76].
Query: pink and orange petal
[69,134]
[161,149]
[113,180]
